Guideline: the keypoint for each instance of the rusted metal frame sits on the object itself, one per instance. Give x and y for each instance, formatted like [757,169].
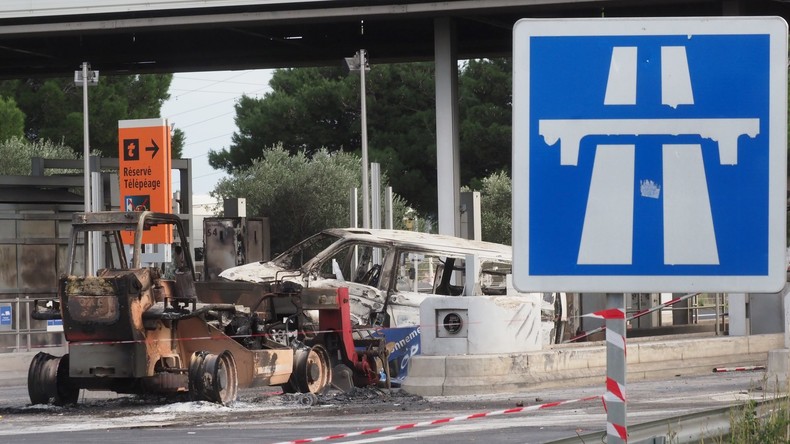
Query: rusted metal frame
[150,218]
[124,263]
[339,321]
[259,367]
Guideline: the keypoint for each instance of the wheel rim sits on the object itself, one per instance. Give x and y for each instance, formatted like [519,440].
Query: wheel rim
[312,370]
[225,378]
[42,378]
[48,380]
[213,378]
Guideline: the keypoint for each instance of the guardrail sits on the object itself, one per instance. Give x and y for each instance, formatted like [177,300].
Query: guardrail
[690,428]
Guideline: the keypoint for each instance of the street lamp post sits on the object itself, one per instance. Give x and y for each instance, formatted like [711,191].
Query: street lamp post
[85,77]
[360,63]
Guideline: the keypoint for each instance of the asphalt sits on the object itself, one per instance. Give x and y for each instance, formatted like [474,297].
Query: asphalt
[259,417]
[667,377]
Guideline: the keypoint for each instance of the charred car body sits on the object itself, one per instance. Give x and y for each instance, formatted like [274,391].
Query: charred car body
[390,272]
[138,329]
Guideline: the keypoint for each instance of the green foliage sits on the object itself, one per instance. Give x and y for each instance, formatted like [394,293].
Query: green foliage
[402,128]
[485,90]
[53,108]
[12,119]
[307,109]
[310,108]
[16,153]
[749,426]
[301,195]
[495,207]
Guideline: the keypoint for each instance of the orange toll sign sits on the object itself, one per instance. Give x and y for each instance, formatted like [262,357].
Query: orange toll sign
[144,171]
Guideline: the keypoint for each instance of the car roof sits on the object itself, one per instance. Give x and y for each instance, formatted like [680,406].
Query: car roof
[424,241]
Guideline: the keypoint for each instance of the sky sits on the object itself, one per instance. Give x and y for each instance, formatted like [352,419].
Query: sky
[201,105]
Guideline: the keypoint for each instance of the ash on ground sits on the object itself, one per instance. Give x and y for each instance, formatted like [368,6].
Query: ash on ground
[358,396]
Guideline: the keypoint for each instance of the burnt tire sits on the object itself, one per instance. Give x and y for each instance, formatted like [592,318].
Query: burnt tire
[213,377]
[48,380]
[312,370]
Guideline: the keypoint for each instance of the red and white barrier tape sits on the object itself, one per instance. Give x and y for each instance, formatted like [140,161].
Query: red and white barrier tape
[213,338]
[636,315]
[441,421]
[739,369]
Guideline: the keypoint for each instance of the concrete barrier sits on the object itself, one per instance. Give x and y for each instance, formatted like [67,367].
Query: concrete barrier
[583,364]
[561,365]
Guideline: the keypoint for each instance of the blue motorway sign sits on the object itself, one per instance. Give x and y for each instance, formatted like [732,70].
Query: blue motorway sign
[650,154]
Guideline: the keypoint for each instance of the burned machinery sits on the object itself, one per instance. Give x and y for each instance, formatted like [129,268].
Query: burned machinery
[145,329]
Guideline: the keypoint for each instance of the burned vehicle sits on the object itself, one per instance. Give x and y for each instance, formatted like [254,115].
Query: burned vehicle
[151,329]
[390,272]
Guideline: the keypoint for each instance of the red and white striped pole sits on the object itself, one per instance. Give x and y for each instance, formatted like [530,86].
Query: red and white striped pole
[614,400]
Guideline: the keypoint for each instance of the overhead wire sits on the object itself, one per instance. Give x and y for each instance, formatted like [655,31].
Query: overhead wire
[202,89]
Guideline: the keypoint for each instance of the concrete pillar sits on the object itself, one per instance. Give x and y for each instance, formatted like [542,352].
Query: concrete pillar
[646,301]
[447,152]
[737,314]
[766,313]
[680,312]
[472,284]
[471,226]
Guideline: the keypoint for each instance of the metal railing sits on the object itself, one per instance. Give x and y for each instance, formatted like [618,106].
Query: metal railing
[19,335]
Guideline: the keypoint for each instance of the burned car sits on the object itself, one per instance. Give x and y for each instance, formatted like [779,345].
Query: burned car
[389,273]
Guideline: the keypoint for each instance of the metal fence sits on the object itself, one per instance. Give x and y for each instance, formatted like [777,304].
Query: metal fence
[19,332]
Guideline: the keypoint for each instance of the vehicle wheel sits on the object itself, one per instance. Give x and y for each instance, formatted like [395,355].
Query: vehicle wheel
[288,387]
[213,378]
[312,370]
[48,380]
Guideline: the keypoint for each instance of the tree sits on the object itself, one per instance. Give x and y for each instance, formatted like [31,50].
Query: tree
[16,153]
[320,107]
[12,119]
[306,110]
[53,108]
[301,195]
[496,208]
[402,128]
[485,90]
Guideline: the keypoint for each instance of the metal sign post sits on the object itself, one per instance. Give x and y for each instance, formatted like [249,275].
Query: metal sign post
[616,369]
[360,63]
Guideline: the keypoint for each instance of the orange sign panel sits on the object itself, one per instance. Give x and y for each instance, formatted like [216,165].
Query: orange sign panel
[144,170]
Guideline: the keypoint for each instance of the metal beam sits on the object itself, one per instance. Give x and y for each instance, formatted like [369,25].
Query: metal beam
[183,19]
